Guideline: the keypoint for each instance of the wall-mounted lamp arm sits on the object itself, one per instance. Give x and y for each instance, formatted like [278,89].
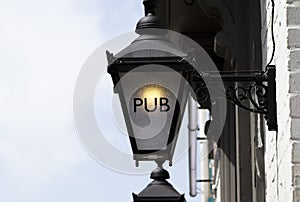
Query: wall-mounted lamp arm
[243,87]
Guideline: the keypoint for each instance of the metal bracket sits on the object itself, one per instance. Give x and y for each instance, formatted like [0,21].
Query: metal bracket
[259,91]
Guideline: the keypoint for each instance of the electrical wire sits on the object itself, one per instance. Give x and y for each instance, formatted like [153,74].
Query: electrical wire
[272,33]
[271,59]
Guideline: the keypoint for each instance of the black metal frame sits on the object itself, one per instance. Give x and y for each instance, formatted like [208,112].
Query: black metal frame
[259,91]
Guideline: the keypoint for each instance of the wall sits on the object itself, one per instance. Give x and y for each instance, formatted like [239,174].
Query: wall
[282,149]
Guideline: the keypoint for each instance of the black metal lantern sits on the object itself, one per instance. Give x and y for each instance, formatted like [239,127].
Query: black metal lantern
[152,89]
[150,76]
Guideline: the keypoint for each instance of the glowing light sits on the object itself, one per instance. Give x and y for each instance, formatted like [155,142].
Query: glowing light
[152,93]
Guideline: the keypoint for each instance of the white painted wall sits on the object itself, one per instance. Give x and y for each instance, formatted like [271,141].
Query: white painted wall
[282,150]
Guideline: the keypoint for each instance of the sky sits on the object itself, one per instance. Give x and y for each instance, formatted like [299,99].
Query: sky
[43,45]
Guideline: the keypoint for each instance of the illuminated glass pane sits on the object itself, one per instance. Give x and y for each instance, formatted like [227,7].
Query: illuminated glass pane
[152,104]
[150,100]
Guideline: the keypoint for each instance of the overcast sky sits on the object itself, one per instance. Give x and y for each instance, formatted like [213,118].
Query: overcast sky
[43,45]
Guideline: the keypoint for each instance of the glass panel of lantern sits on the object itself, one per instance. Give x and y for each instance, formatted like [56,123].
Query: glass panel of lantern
[153,99]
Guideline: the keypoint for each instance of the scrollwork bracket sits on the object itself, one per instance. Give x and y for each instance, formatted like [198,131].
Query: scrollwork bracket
[241,88]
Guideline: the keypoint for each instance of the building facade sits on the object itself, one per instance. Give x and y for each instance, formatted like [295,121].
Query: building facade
[250,163]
